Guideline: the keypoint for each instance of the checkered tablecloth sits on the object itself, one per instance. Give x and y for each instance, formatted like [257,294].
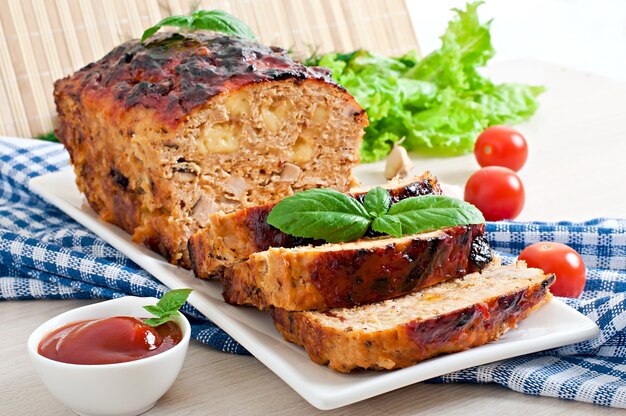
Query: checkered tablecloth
[46,254]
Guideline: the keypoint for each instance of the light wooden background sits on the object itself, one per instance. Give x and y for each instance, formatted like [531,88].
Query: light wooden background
[44,40]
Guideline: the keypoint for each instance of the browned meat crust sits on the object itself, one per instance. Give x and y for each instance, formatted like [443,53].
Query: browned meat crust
[175,74]
[349,274]
[230,238]
[449,317]
[161,135]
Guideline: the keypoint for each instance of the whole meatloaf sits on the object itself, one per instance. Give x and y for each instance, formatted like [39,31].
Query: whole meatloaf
[448,317]
[229,238]
[356,273]
[163,134]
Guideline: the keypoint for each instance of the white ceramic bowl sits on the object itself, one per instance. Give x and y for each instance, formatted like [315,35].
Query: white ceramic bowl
[128,388]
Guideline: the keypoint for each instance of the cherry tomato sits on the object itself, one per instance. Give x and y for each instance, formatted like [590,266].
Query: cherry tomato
[563,261]
[497,192]
[501,146]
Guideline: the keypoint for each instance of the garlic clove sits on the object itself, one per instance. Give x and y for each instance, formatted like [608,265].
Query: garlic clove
[398,162]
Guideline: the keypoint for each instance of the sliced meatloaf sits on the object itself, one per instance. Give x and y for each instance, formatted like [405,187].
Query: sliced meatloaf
[349,274]
[229,238]
[164,133]
[448,317]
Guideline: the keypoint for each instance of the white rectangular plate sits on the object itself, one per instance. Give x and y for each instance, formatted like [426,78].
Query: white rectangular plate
[553,325]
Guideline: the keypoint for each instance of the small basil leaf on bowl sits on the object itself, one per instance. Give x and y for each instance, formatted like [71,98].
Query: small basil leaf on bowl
[167,307]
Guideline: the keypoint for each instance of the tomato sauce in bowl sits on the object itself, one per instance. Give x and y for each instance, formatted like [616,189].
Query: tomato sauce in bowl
[125,383]
[111,340]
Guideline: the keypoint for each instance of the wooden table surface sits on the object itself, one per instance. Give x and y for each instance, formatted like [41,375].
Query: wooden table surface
[575,172]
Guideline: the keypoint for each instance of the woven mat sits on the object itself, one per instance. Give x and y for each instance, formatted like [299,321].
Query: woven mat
[44,40]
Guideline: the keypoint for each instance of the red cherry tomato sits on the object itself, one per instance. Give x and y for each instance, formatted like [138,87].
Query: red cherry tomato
[501,146]
[497,192]
[563,261]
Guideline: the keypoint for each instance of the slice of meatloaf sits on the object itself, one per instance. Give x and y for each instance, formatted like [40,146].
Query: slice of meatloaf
[448,317]
[163,134]
[229,238]
[349,274]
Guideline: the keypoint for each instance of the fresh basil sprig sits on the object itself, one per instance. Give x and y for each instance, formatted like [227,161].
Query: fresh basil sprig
[328,215]
[215,20]
[167,307]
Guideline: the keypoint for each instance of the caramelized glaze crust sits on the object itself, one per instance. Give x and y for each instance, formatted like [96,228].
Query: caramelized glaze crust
[175,74]
[446,318]
[350,274]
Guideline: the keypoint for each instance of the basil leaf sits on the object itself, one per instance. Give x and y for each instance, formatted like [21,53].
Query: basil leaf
[377,201]
[329,215]
[322,214]
[432,212]
[178,21]
[171,301]
[167,307]
[149,32]
[160,320]
[184,22]
[387,224]
[220,21]
[215,20]
[154,310]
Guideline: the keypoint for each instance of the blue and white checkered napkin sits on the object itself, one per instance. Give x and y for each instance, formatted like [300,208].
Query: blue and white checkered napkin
[45,254]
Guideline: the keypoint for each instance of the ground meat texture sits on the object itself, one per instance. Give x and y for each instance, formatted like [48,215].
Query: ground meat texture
[165,133]
[448,317]
[350,274]
[230,238]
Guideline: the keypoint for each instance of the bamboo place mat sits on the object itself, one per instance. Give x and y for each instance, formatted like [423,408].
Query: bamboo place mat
[44,40]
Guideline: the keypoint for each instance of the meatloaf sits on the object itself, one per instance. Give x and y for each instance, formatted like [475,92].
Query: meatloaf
[349,274]
[164,133]
[449,317]
[229,238]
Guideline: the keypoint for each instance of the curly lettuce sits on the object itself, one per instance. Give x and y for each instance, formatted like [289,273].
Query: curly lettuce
[439,103]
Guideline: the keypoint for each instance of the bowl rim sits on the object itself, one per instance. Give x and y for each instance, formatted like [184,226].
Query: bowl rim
[65,318]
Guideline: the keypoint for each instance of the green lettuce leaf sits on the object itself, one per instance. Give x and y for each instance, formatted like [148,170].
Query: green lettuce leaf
[440,103]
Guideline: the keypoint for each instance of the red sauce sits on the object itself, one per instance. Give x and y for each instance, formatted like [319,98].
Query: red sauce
[108,341]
